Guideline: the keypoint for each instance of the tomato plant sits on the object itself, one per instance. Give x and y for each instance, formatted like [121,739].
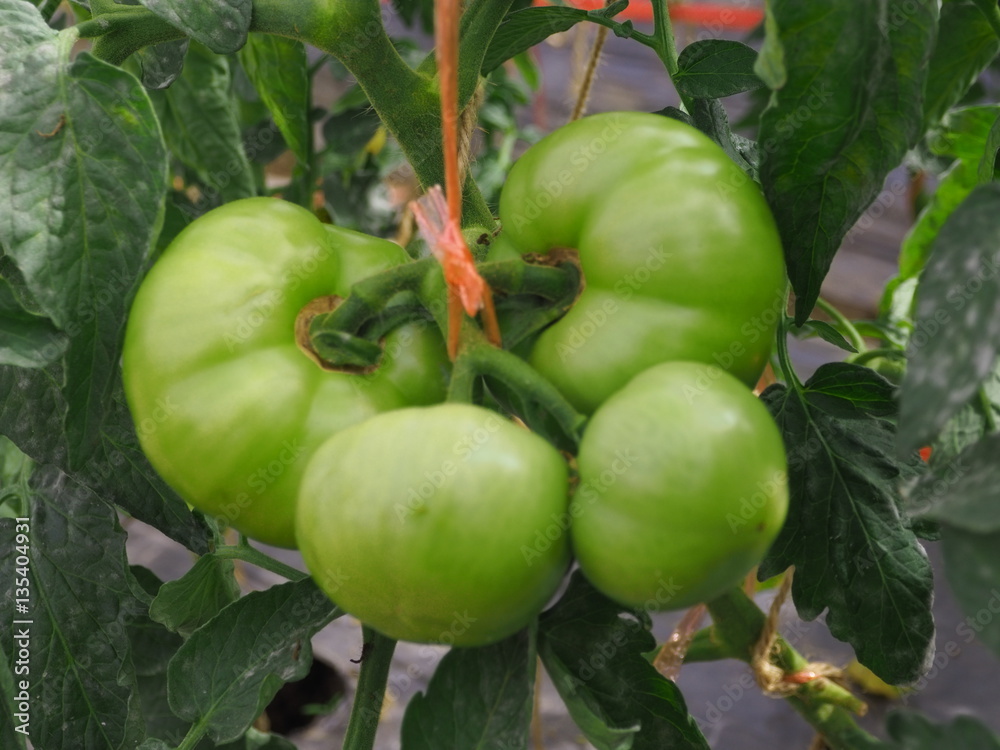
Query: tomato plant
[229,406]
[670,275]
[191,339]
[682,488]
[424,514]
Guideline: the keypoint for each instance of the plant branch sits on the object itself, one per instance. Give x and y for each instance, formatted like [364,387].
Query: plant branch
[784,359]
[665,46]
[376,656]
[738,623]
[478,358]
[243,551]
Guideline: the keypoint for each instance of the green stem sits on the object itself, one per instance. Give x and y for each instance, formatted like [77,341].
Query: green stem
[368,298]
[784,359]
[738,623]
[376,656]
[478,358]
[867,356]
[856,339]
[991,422]
[193,736]
[665,45]
[243,551]
[480,20]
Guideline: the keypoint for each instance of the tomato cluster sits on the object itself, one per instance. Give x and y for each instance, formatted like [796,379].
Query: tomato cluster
[448,522]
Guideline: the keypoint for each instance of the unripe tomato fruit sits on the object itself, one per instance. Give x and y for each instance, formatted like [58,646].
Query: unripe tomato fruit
[227,407]
[422,523]
[678,247]
[683,487]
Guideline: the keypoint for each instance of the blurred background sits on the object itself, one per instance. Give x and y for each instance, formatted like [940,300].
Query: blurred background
[524,100]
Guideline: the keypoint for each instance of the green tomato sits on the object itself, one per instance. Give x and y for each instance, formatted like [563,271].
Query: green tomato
[436,524]
[683,487]
[679,250]
[228,408]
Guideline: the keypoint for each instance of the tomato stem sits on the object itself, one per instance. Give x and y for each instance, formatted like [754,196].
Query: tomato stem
[870,354]
[243,551]
[738,623]
[376,658]
[369,298]
[194,735]
[665,45]
[478,358]
[784,358]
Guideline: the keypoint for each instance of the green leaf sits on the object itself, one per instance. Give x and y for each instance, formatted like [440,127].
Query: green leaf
[162,63]
[853,552]
[13,729]
[954,187]
[965,46]
[201,127]
[845,116]
[186,604]
[714,68]
[970,425]
[221,25]
[280,73]
[956,336]
[490,688]
[228,670]
[82,179]
[83,689]
[593,651]
[26,340]
[972,566]
[970,133]
[524,29]
[827,332]
[963,492]
[854,390]
[31,413]
[709,116]
[911,731]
